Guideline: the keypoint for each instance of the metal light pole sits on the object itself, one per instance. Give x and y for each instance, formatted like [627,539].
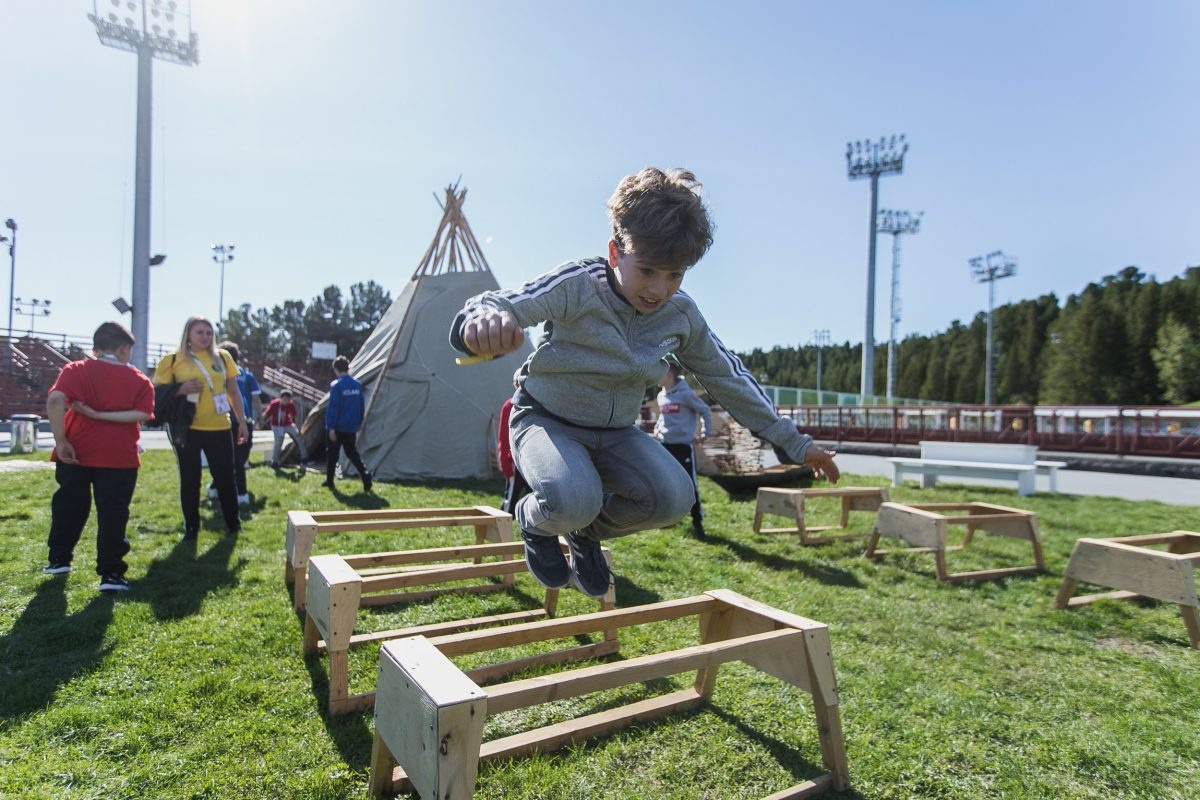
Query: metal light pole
[34,307]
[991,268]
[222,254]
[821,340]
[866,159]
[11,224]
[149,29]
[895,223]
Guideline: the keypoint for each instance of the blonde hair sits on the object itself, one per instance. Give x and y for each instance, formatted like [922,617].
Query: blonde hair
[184,348]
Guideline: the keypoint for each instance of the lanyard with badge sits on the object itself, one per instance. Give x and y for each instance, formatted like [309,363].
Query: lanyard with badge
[220,399]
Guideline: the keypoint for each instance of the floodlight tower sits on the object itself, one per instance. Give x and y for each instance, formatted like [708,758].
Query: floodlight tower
[866,159]
[11,241]
[151,29]
[222,254]
[34,307]
[895,223]
[989,269]
[821,340]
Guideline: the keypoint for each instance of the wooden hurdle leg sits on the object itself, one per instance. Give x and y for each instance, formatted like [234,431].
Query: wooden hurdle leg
[714,627]
[939,560]
[1191,619]
[1035,539]
[339,680]
[1065,590]
[819,655]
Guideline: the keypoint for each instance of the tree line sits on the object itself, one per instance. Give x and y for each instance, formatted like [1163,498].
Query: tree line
[285,333]
[1127,340]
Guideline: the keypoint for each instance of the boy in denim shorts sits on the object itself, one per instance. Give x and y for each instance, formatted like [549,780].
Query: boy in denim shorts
[593,475]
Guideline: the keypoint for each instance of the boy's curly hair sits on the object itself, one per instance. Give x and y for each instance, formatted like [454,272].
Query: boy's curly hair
[660,217]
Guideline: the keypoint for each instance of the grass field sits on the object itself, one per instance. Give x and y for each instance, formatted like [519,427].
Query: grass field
[192,685]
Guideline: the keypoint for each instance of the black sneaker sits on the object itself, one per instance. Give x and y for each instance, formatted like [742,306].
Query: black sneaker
[546,561]
[56,568]
[589,570]
[367,481]
[189,535]
[698,531]
[114,583]
[328,484]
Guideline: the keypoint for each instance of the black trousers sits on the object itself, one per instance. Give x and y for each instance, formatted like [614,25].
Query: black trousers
[72,504]
[217,447]
[348,442]
[686,457]
[241,454]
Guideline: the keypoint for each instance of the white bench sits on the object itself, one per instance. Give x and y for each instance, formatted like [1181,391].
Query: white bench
[1015,462]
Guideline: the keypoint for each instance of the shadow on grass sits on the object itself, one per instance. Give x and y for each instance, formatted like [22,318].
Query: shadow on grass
[801,768]
[631,594]
[47,647]
[351,733]
[175,586]
[823,573]
[361,500]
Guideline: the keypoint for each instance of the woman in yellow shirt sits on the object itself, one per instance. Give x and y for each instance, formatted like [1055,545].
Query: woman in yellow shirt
[207,377]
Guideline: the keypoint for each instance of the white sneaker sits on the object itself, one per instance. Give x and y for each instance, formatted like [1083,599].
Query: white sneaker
[243,499]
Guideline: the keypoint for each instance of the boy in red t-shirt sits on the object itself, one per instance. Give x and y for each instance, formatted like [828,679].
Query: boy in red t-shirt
[281,415]
[94,408]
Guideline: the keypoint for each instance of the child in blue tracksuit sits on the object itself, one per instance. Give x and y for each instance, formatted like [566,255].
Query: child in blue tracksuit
[592,473]
[343,418]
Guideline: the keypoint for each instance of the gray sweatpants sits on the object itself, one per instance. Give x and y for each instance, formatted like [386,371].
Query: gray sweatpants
[604,483]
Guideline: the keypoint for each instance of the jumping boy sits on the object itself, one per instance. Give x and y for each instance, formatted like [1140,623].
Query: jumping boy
[94,407]
[593,474]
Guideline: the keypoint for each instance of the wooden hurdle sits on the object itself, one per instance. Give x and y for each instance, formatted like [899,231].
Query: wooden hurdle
[490,524]
[925,526]
[429,715]
[791,503]
[1126,564]
[339,585]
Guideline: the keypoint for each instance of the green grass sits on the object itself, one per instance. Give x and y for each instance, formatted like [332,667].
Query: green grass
[193,685]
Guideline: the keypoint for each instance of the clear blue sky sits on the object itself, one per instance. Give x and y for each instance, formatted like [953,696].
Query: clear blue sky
[314,135]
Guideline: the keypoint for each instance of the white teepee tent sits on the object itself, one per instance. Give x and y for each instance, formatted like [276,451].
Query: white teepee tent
[427,417]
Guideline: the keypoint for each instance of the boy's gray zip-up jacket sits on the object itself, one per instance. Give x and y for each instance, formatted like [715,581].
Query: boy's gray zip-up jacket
[602,353]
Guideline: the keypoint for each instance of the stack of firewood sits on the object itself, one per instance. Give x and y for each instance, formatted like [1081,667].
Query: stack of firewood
[731,450]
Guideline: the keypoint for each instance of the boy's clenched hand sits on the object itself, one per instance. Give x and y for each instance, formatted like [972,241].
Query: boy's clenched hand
[495,333]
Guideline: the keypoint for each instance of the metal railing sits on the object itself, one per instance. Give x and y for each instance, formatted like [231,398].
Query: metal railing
[1164,431]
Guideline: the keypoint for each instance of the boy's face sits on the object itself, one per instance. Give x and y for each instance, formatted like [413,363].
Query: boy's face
[646,288]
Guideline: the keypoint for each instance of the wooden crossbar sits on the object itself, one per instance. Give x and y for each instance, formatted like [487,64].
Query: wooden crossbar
[544,688]
[429,716]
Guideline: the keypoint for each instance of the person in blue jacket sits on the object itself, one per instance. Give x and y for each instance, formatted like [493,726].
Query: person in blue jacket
[343,418]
